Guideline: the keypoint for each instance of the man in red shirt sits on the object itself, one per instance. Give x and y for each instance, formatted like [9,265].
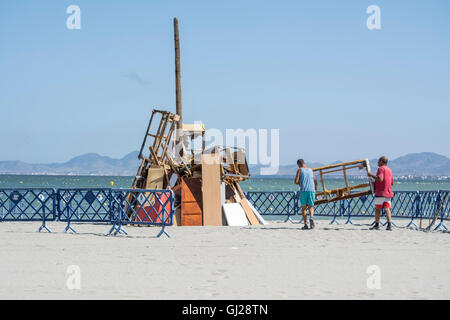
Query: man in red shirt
[383,192]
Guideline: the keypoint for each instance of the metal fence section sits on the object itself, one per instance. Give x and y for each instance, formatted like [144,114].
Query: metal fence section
[83,205]
[405,204]
[441,209]
[142,207]
[330,209]
[32,204]
[156,207]
[274,203]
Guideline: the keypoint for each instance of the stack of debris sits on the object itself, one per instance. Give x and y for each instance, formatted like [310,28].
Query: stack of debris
[205,182]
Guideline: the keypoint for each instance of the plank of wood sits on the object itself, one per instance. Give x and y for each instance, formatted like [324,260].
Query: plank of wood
[237,196]
[260,218]
[245,204]
[340,165]
[249,212]
[438,212]
[212,213]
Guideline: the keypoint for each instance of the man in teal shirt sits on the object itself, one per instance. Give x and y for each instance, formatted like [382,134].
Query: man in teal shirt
[308,185]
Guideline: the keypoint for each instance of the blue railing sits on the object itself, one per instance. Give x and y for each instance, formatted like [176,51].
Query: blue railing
[78,205]
[114,206]
[275,202]
[143,207]
[156,207]
[28,205]
[405,204]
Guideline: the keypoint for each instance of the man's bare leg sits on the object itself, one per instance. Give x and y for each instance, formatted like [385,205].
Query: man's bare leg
[311,216]
[377,219]
[305,221]
[377,215]
[388,218]
[388,214]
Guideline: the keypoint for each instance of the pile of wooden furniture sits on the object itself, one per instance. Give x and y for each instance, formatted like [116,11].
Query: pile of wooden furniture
[205,182]
[347,191]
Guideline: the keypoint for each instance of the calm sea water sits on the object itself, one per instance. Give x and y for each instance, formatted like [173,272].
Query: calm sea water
[254,184]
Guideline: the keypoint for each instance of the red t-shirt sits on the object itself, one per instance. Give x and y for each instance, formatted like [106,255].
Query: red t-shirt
[384,188]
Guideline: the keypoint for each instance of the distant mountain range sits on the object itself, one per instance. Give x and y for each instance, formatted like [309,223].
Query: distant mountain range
[86,164]
[414,164]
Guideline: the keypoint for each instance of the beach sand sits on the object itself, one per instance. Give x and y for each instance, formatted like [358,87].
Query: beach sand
[278,261]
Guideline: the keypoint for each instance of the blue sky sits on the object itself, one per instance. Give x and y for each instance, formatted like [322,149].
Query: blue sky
[336,90]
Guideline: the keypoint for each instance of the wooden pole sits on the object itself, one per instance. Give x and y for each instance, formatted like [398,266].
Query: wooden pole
[177,71]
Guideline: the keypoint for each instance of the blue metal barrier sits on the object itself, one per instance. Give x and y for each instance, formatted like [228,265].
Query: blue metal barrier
[112,206]
[83,205]
[156,207]
[275,202]
[443,205]
[142,207]
[428,203]
[32,204]
[405,204]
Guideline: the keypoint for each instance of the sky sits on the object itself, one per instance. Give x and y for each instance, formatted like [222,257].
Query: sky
[312,69]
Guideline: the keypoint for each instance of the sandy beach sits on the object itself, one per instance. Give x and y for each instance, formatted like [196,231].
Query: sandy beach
[277,261]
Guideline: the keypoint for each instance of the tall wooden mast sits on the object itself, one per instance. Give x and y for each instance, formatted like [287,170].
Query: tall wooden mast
[177,71]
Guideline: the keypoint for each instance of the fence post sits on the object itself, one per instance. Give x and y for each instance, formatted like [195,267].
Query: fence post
[119,207]
[111,211]
[416,213]
[441,223]
[43,226]
[120,217]
[44,217]
[349,218]
[172,209]
[69,215]
[335,214]
[288,218]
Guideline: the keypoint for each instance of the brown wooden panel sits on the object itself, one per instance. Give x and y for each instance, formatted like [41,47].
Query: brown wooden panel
[191,189]
[191,220]
[191,202]
[212,207]
[191,208]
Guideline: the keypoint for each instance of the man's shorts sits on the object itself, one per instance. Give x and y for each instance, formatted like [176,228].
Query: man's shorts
[382,202]
[307,198]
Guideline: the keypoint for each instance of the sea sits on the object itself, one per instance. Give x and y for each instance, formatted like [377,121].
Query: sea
[253,184]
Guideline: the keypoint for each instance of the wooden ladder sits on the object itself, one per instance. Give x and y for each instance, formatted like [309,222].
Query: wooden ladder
[157,148]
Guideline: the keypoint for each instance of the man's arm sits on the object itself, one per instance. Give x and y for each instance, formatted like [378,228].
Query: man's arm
[315,182]
[297,177]
[377,178]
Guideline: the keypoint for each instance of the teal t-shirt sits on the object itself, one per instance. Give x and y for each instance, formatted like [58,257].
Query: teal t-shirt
[307,180]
